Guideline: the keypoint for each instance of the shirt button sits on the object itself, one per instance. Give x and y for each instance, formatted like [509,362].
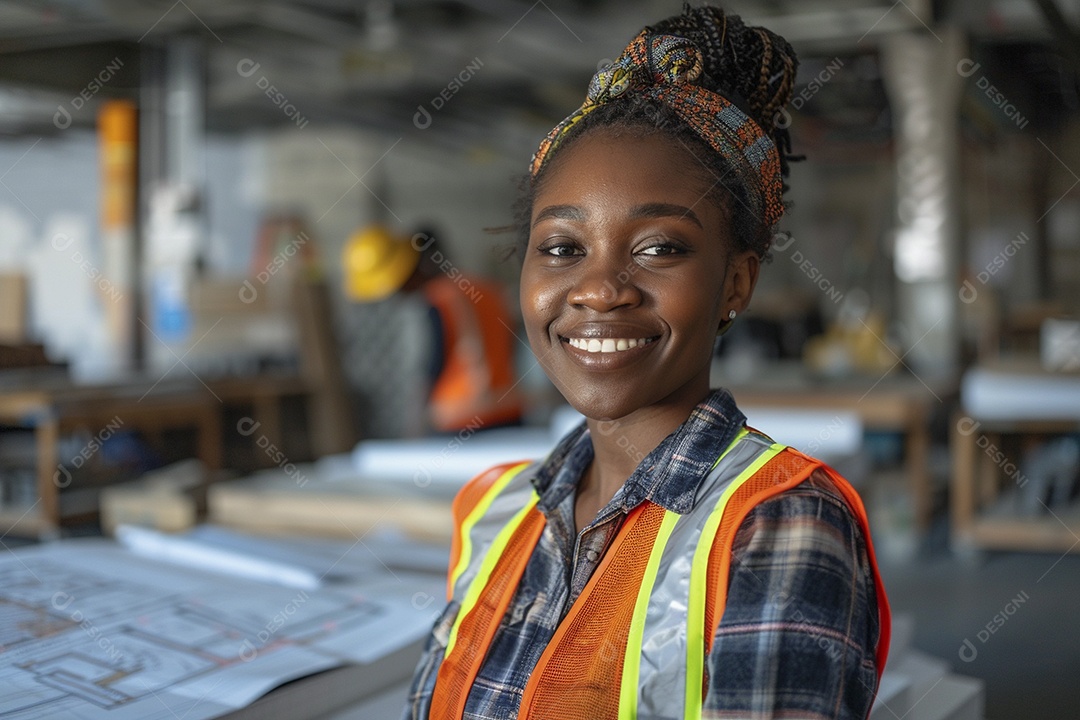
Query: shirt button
[591,555]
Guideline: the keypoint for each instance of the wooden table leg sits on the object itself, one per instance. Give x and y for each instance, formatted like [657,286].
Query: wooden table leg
[962,486]
[986,475]
[918,464]
[267,411]
[208,425]
[50,476]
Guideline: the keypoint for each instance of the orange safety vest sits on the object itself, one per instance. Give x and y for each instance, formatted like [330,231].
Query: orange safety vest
[477,383]
[592,667]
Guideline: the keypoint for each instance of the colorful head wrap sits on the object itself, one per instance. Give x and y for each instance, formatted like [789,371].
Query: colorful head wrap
[666,69]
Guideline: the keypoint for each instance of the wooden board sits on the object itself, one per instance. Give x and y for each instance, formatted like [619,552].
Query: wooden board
[278,503]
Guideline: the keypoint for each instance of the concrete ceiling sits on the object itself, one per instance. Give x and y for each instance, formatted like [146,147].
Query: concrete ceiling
[379,63]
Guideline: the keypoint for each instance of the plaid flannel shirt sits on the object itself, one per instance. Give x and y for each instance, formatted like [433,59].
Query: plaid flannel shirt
[798,634]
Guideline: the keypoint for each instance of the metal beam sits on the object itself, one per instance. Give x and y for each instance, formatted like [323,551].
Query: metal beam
[1067,39]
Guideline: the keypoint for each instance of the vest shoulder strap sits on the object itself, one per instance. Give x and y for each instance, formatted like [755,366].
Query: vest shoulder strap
[854,502]
[786,470]
[482,610]
[470,502]
[472,492]
[484,592]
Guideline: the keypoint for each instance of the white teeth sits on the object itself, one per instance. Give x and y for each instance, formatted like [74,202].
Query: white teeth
[606,345]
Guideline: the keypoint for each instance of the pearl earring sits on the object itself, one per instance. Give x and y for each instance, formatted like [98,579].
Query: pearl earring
[725,326]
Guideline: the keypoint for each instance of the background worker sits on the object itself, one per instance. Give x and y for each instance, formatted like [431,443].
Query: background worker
[473,382]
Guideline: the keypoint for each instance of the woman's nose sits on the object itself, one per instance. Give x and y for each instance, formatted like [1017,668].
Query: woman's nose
[604,285]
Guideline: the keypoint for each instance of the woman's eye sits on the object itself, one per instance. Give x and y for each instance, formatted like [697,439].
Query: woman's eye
[661,249]
[560,250]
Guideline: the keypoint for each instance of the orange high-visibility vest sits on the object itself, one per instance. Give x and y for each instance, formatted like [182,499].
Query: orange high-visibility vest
[592,668]
[477,383]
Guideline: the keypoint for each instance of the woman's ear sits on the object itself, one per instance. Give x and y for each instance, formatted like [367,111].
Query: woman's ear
[742,276]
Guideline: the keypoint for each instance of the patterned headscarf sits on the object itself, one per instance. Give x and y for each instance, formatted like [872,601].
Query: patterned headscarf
[666,69]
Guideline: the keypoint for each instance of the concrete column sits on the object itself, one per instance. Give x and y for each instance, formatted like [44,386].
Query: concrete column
[924,90]
[174,123]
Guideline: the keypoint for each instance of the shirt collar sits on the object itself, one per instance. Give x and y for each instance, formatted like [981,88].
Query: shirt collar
[669,476]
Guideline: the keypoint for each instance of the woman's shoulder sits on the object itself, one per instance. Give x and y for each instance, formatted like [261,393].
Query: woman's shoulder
[814,512]
[822,486]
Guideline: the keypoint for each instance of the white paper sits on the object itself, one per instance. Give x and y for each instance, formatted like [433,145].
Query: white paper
[193,553]
[89,630]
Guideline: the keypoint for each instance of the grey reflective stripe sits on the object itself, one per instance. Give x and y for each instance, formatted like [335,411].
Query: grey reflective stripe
[503,509]
[662,677]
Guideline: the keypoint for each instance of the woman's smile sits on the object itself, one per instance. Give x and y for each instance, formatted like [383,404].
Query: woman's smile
[599,347]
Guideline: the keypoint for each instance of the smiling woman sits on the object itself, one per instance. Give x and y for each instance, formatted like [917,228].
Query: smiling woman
[611,209]
[665,560]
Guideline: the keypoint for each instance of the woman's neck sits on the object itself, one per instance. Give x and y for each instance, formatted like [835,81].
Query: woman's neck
[619,446]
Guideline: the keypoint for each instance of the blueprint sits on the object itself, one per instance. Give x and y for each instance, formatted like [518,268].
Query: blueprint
[89,630]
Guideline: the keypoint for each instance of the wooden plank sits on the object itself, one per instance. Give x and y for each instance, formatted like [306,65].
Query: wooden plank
[18,407]
[1035,534]
[277,503]
[25,522]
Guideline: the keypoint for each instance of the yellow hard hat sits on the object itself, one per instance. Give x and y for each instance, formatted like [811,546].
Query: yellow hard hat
[377,263]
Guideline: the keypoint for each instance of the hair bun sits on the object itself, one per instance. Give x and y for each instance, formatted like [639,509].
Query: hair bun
[751,66]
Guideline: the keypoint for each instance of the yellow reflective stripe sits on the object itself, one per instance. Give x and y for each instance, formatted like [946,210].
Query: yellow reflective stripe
[490,560]
[473,517]
[695,609]
[628,691]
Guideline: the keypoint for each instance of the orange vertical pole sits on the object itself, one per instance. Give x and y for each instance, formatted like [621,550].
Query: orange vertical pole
[118,145]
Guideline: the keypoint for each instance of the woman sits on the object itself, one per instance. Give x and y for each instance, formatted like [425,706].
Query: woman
[664,561]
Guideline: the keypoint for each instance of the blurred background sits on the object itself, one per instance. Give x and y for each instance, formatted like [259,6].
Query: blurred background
[195,195]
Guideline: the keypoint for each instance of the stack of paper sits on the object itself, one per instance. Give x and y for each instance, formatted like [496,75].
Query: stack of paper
[91,630]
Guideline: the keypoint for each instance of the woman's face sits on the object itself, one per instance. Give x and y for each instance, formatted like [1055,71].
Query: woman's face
[628,274]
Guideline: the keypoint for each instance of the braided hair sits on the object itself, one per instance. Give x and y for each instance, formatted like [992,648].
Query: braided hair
[751,67]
